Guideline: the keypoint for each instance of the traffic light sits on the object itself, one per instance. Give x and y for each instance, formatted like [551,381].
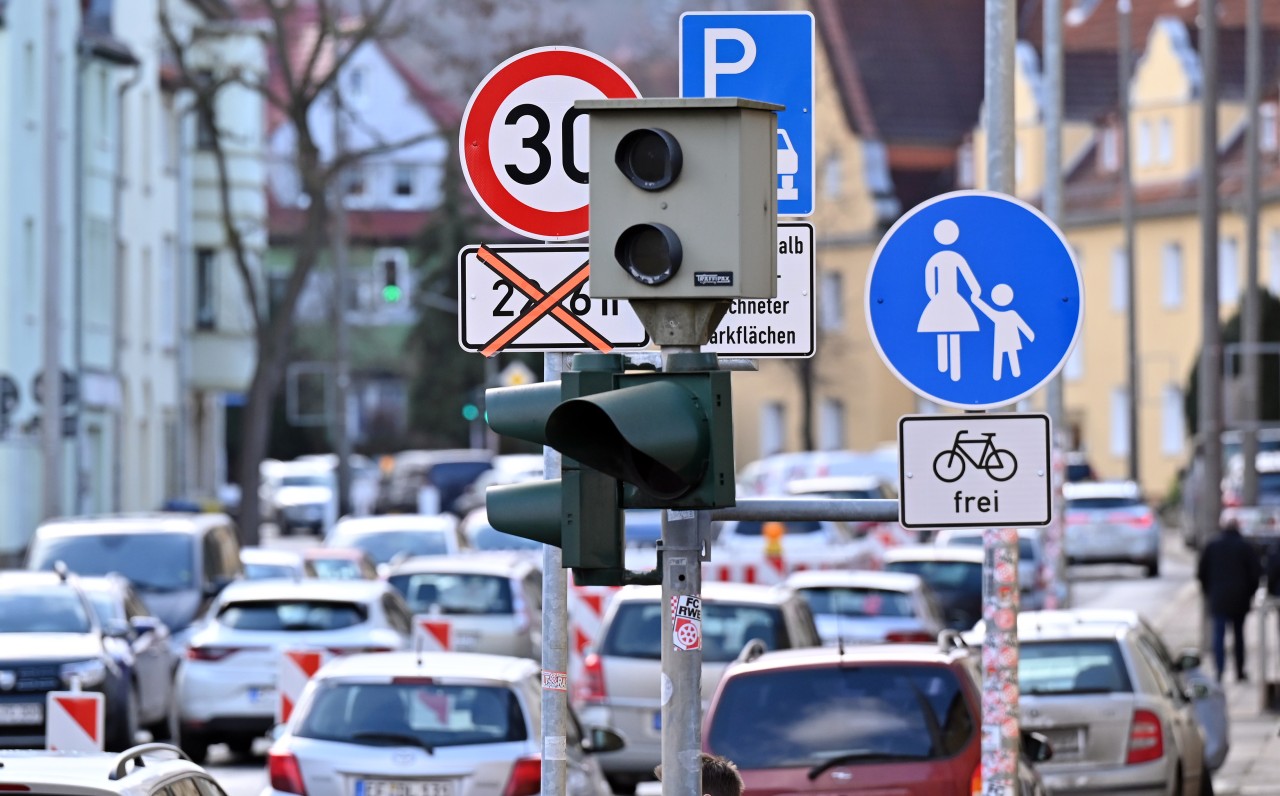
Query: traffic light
[391,273]
[683,198]
[391,290]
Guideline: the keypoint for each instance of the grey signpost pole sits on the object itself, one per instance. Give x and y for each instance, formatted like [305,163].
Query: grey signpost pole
[1000,732]
[555,634]
[682,660]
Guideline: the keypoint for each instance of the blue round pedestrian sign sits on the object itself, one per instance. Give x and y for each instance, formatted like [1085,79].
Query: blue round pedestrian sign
[974,299]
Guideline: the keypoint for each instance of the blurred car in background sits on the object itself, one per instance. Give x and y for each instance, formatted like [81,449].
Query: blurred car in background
[493,600]
[304,496]
[953,574]
[450,724]
[434,477]
[752,535]
[1260,522]
[338,563]
[156,770]
[1078,468]
[772,474]
[227,683]
[1031,560]
[396,536]
[480,535]
[261,563]
[1191,489]
[1109,522]
[869,607]
[623,676]
[507,468]
[855,487]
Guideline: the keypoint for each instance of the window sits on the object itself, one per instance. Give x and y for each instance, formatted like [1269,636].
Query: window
[206,311]
[354,180]
[1073,370]
[405,183]
[1109,157]
[1229,271]
[1171,275]
[832,301]
[292,615]
[1268,137]
[1164,141]
[1119,280]
[1144,143]
[206,119]
[833,176]
[1072,667]
[1171,420]
[772,431]
[831,425]
[1119,421]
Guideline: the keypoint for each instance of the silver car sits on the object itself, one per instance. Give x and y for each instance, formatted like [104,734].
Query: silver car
[436,724]
[1117,717]
[869,607]
[1108,522]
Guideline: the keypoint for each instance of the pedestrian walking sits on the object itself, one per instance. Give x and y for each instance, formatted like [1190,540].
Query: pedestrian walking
[1229,573]
[720,776]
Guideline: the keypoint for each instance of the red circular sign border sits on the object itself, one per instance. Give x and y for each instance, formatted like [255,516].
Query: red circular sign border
[483,109]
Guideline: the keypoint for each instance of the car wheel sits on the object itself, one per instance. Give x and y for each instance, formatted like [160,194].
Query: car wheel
[195,746]
[621,786]
[1153,568]
[241,745]
[168,728]
[123,738]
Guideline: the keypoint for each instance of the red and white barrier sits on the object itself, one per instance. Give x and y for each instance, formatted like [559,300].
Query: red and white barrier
[73,721]
[432,633]
[297,667]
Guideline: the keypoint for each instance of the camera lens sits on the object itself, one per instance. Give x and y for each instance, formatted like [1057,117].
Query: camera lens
[650,158]
[651,253]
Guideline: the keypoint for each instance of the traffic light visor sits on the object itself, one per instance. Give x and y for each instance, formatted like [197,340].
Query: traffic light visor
[651,253]
[650,158]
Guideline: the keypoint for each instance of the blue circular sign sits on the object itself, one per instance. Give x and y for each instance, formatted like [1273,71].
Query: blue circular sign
[974,299]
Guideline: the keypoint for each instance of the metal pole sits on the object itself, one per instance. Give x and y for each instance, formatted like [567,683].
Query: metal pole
[1252,318]
[1056,592]
[51,387]
[341,345]
[1210,376]
[1124,70]
[1000,733]
[555,633]
[682,532]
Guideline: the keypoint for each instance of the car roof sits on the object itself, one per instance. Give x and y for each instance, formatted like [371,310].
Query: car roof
[304,589]
[1076,622]
[22,577]
[834,482]
[420,457]
[934,553]
[851,655]
[463,665]
[264,555]
[46,770]
[340,553]
[865,578]
[110,582]
[1090,489]
[394,522]
[485,562]
[149,522]
[965,533]
[716,591]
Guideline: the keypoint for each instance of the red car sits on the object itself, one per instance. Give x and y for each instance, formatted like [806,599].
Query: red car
[901,718]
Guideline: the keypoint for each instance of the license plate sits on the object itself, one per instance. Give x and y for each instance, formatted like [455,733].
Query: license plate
[1065,742]
[466,641]
[22,713]
[404,787]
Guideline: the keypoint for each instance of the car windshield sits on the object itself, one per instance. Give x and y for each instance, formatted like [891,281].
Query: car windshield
[382,546]
[291,615]
[413,710]
[864,602]
[943,575]
[152,561]
[454,593]
[1072,667]
[819,717]
[304,480]
[105,605]
[335,569]
[636,630]
[1103,503]
[755,528]
[256,571]
[486,537]
[1269,484]
[42,609]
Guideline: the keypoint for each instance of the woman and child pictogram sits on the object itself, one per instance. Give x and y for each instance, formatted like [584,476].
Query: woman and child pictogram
[948,315]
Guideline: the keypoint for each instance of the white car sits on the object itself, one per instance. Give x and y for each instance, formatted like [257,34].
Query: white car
[152,769]
[1031,560]
[395,536]
[869,607]
[436,724]
[227,683]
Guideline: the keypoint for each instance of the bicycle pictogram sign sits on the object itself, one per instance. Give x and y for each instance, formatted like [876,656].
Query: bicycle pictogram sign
[998,463]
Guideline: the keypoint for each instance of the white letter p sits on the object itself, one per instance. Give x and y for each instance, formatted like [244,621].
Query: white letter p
[712,67]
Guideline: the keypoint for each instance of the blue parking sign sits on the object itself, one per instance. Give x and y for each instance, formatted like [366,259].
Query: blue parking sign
[766,56]
[974,299]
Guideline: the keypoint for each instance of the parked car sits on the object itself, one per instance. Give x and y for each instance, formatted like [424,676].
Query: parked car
[261,563]
[1116,715]
[452,723]
[770,475]
[151,769]
[493,600]
[391,536]
[1192,485]
[900,718]
[141,646]
[507,468]
[865,606]
[445,474]
[480,535]
[49,637]
[623,677]
[177,562]
[855,487]
[338,563]
[304,496]
[1031,560]
[1109,522]
[953,574]
[1260,522]
[227,683]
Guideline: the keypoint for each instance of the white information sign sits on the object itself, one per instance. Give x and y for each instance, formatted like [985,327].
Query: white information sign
[974,470]
[782,326]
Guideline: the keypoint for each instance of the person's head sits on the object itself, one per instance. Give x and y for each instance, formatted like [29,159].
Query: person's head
[1231,526]
[720,776]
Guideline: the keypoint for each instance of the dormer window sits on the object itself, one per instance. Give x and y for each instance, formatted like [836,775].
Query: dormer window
[1164,141]
[1109,148]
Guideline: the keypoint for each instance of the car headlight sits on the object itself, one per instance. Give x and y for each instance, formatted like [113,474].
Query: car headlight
[91,673]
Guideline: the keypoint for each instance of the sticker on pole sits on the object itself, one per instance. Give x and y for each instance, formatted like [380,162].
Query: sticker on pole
[554,681]
[297,667]
[686,622]
[432,633]
[73,721]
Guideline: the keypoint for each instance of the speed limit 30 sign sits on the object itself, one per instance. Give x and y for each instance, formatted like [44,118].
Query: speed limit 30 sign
[524,147]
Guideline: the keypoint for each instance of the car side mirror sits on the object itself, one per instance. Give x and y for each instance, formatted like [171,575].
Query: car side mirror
[1036,747]
[602,739]
[1188,659]
[145,624]
[1196,691]
[116,628]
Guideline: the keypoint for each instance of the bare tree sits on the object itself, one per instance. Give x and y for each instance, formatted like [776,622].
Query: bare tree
[305,71]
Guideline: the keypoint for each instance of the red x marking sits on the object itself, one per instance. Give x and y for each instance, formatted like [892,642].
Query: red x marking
[544,303]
